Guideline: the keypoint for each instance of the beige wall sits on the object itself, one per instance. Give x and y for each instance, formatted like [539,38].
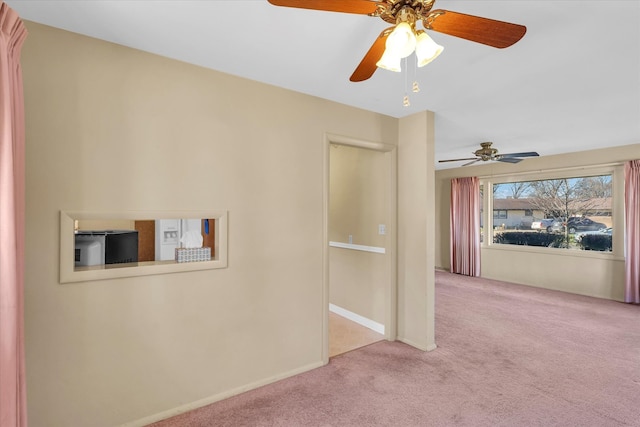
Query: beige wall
[358,200]
[595,274]
[416,230]
[359,282]
[110,128]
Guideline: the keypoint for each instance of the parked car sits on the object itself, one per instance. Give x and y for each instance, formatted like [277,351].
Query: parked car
[575,224]
[578,237]
[549,225]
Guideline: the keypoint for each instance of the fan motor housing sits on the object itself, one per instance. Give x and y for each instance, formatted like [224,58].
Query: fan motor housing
[393,10]
[486,152]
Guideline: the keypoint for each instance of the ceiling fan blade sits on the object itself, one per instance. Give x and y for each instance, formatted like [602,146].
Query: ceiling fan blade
[509,159]
[470,163]
[457,160]
[487,31]
[526,154]
[363,7]
[368,66]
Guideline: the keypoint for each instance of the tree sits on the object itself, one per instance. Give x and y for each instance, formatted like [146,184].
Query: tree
[512,190]
[518,189]
[569,196]
[564,198]
[551,197]
[595,187]
[560,198]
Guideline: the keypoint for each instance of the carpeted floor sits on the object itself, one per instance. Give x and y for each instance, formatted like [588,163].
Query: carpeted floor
[507,355]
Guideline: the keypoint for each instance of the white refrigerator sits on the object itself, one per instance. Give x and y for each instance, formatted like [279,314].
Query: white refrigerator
[168,235]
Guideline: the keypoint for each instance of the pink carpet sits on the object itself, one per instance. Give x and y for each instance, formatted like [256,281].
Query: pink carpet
[507,355]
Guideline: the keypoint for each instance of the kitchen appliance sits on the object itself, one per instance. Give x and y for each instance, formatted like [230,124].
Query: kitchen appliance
[98,247]
[169,232]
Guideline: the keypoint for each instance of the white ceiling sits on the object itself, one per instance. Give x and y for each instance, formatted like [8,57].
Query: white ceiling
[571,84]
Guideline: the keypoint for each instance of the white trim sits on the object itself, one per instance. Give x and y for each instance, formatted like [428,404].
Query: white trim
[368,323]
[363,248]
[353,142]
[430,347]
[537,172]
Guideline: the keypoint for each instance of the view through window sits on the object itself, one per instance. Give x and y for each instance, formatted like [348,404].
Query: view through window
[569,213]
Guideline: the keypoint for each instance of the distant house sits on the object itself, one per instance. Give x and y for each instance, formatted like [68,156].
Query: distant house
[515,213]
[596,207]
[520,213]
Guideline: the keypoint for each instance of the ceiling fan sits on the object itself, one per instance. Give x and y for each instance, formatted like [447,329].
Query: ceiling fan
[487,153]
[402,39]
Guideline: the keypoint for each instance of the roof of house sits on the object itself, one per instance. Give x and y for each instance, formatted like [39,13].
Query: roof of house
[513,204]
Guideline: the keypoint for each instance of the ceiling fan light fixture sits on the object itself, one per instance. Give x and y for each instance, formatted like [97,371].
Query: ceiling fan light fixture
[402,40]
[426,49]
[404,15]
[389,62]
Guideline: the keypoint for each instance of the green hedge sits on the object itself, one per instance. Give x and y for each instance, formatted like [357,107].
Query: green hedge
[596,242]
[529,238]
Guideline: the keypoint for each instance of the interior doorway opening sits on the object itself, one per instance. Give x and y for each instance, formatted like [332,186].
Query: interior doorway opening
[360,223]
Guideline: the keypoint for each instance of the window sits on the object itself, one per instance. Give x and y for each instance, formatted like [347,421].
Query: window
[568,213]
[499,214]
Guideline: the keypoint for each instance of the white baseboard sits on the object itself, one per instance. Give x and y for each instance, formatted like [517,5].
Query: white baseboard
[374,326]
[429,347]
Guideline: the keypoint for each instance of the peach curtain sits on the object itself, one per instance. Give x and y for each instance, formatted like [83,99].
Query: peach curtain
[465,226]
[632,230]
[12,211]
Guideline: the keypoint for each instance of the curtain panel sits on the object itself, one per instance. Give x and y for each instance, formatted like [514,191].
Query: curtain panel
[632,231]
[12,212]
[465,226]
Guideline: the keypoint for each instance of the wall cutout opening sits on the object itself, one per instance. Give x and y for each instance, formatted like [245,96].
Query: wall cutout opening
[99,245]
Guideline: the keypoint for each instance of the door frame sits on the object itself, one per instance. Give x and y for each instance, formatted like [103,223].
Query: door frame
[391,305]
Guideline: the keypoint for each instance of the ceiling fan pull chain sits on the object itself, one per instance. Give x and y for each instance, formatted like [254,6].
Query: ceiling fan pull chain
[416,86]
[405,100]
